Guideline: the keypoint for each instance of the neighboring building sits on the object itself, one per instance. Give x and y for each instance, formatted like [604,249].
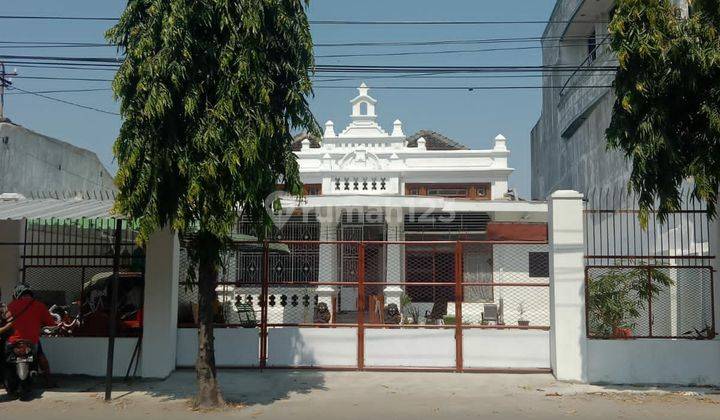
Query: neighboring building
[32,164]
[568,142]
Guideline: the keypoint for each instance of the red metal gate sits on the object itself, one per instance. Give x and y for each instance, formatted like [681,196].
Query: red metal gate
[433,305]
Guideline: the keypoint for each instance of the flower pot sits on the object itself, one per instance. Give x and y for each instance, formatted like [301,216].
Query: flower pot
[523,324]
[621,332]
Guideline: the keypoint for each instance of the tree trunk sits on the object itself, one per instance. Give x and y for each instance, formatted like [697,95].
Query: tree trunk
[209,395]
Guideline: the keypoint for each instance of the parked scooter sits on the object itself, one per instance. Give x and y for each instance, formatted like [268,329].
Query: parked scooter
[65,323]
[20,368]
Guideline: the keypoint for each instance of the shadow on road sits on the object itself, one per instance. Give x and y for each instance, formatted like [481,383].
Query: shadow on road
[249,387]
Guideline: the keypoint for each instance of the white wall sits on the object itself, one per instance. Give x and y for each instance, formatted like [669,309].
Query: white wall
[161,304]
[293,346]
[654,361]
[511,264]
[234,347]
[87,355]
[405,347]
[483,348]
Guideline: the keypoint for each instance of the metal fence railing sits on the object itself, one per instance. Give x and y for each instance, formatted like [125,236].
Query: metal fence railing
[70,263]
[404,285]
[650,301]
[647,279]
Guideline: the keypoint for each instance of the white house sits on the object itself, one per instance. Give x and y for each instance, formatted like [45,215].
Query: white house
[365,184]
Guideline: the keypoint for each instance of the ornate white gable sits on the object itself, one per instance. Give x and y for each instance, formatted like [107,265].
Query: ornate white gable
[360,160]
[363,159]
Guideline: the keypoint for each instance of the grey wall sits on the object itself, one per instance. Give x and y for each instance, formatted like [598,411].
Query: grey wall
[31,163]
[568,142]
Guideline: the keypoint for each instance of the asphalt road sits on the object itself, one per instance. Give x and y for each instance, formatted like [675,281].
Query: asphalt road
[364,395]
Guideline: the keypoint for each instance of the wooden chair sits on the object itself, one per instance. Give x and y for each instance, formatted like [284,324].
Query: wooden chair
[376,309]
[436,314]
[490,313]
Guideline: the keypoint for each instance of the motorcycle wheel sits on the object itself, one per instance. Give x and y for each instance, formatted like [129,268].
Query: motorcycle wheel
[24,390]
[11,382]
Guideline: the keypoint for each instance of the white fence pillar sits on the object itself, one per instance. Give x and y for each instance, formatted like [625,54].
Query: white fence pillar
[568,341]
[12,232]
[395,257]
[328,263]
[714,250]
[161,304]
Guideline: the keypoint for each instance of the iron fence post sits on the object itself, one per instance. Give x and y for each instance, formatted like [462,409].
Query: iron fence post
[361,307]
[650,295]
[113,311]
[263,305]
[458,307]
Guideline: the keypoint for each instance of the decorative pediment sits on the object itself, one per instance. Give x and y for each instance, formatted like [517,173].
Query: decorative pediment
[360,159]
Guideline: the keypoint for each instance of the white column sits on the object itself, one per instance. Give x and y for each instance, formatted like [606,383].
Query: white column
[714,249]
[12,232]
[568,342]
[328,263]
[160,308]
[395,256]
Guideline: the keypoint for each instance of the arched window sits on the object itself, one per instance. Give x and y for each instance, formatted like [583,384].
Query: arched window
[363,108]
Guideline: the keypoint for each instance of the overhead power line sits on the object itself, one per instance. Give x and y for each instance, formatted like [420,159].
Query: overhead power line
[77,79]
[431,42]
[61,91]
[75,104]
[469,88]
[349,68]
[333,21]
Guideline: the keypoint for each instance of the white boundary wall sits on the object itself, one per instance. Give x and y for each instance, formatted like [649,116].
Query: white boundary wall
[234,347]
[294,346]
[654,361]
[506,349]
[400,347]
[87,355]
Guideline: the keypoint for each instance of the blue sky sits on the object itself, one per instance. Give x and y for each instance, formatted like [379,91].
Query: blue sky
[472,118]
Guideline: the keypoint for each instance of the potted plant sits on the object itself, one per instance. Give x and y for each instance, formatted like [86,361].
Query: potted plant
[411,313]
[522,322]
[616,298]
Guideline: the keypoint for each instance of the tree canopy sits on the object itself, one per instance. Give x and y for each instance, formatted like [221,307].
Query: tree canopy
[210,92]
[666,116]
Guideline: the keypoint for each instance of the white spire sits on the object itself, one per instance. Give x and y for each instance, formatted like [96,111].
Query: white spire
[329,130]
[500,142]
[397,129]
[363,105]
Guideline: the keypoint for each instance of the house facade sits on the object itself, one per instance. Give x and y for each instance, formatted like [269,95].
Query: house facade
[412,196]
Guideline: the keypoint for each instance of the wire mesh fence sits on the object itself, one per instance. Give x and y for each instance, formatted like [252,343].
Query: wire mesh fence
[375,286]
[70,262]
[646,275]
[650,301]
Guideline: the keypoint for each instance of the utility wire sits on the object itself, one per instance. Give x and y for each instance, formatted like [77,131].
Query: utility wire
[51,98]
[335,22]
[77,79]
[525,39]
[352,68]
[61,91]
[469,88]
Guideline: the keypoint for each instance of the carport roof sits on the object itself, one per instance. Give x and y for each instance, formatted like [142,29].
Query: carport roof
[49,208]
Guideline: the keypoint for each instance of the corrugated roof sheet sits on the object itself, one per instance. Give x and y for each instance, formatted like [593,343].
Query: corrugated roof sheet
[57,209]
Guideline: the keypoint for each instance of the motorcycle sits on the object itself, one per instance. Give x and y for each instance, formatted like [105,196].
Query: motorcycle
[65,322]
[22,357]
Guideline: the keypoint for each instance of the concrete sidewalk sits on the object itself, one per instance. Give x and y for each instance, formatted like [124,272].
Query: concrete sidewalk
[361,395]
